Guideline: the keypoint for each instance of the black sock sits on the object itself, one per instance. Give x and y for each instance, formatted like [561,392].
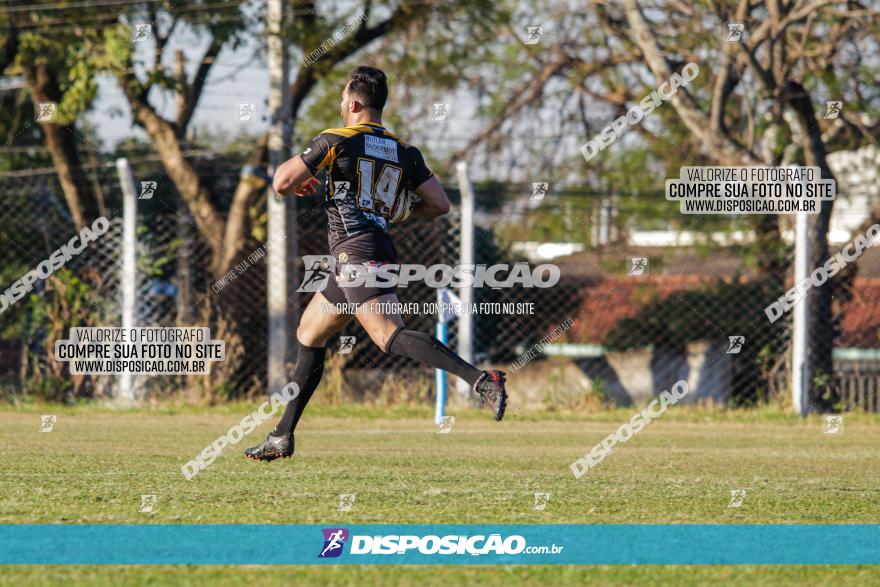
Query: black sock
[307,375]
[427,349]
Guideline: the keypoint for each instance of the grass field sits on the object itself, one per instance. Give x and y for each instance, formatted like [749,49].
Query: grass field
[94,466]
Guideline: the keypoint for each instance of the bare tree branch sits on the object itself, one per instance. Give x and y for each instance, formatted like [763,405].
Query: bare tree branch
[723,147]
[194,91]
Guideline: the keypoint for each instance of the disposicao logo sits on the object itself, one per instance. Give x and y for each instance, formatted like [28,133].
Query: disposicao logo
[334,540]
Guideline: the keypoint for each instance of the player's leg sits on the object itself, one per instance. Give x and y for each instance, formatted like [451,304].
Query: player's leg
[317,325]
[385,327]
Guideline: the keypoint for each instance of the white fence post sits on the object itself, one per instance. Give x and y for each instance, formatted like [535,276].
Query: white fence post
[466,257]
[800,346]
[128,276]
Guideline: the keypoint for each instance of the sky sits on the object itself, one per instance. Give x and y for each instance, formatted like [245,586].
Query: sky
[237,77]
[240,76]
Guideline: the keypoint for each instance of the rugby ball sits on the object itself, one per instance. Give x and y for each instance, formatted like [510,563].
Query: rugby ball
[403,206]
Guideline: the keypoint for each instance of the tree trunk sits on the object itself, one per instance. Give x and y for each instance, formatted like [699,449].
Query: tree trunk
[822,326]
[61,141]
[185,177]
[227,237]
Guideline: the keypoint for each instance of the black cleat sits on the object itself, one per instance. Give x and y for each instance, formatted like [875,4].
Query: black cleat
[274,447]
[490,388]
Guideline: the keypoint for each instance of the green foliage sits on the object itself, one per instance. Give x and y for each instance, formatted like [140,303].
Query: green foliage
[163,257]
[10,319]
[17,131]
[674,321]
[82,86]
[711,313]
[69,299]
[69,58]
[117,49]
[631,171]
[431,48]
[567,216]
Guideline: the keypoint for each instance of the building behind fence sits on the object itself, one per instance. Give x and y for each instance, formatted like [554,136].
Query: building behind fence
[638,314]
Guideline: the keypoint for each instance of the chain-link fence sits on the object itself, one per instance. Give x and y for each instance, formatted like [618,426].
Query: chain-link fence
[656,296]
[645,298]
[173,288]
[81,292]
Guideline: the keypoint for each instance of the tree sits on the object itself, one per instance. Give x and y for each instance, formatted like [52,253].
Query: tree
[227,233]
[54,67]
[754,102]
[773,63]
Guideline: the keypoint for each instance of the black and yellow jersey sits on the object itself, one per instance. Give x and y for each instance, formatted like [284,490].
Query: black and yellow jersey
[368,168]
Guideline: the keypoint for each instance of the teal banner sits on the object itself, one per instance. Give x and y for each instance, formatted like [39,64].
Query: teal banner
[439,544]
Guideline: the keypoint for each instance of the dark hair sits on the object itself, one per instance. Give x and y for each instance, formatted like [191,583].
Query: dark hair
[370,86]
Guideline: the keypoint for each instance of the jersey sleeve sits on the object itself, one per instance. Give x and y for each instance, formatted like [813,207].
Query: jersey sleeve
[418,172]
[319,153]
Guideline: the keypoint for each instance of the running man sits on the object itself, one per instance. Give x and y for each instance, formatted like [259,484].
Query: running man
[368,169]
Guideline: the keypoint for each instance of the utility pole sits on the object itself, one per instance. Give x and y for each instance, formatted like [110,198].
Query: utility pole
[279,152]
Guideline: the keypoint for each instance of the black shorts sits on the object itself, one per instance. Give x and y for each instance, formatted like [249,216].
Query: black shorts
[371,248]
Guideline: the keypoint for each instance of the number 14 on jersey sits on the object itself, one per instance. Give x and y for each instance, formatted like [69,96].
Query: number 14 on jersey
[384,189]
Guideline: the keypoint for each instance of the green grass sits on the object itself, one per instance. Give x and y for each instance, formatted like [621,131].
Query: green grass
[96,464]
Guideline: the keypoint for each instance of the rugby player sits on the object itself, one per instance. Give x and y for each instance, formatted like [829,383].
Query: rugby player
[367,168]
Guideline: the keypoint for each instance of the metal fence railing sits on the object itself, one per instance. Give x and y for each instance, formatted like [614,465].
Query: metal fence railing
[627,335]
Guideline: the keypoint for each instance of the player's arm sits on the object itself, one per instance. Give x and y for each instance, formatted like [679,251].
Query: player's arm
[297,176]
[434,201]
[294,177]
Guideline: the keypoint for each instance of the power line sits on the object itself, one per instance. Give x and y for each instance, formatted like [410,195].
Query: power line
[77,26]
[74,5]
[92,19]
[174,11]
